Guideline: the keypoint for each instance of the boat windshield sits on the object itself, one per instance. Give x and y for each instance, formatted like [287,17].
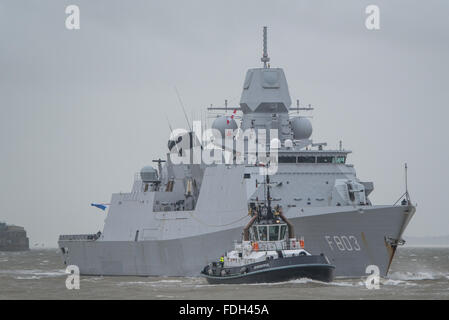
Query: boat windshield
[273,232]
[255,234]
[283,229]
[262,233]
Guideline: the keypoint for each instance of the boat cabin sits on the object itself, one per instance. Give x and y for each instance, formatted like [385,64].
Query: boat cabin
[265,237]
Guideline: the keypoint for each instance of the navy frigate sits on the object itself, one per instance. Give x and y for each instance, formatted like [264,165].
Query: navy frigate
[180,216]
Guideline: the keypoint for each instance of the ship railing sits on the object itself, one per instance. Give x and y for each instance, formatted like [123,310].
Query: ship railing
[270,245]
[78,237]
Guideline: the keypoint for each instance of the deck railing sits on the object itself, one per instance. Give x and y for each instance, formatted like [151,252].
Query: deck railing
[78,237]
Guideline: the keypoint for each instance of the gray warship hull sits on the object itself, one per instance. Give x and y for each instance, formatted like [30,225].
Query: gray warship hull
[351,239]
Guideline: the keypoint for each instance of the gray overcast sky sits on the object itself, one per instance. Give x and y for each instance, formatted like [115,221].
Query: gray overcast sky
[82,111]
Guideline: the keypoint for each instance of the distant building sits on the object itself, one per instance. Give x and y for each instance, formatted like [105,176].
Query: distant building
[13,238]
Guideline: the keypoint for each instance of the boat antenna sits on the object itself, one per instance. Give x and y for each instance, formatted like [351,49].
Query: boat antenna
[268,193]
[265,57]
[169,125]
[171,132]
[266,187]
[183,109]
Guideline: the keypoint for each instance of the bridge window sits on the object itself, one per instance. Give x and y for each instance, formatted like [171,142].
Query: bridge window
[324,159]
[287,159]
[340,159]
[256,236]
[262,233]
[274,233]
[247,176]
[283,229]
[306,160]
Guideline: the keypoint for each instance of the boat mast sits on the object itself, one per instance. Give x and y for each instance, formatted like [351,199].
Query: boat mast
[268,193]
[407,196]
[265,57]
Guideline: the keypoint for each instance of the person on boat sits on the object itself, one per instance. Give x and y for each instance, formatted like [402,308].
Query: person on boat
[255,246]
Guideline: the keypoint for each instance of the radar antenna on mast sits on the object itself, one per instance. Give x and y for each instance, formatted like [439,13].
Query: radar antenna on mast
[183,109]
[265,57]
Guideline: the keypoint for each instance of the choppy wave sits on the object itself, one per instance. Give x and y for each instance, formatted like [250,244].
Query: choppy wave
[156,283]
[28,273]
[301,281]
[169,281]
[393,282]
[92,279]
[413,276]
[28,278]
[338,283]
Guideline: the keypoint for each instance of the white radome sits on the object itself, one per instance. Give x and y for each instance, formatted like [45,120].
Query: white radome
[302,128]
[221,124]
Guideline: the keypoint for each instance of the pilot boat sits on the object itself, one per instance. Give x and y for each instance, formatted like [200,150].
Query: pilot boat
[268,252]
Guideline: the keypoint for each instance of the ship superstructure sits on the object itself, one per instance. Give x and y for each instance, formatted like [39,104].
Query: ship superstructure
[179,216]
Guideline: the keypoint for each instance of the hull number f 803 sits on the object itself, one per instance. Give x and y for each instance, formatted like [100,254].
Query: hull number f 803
[343,243]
